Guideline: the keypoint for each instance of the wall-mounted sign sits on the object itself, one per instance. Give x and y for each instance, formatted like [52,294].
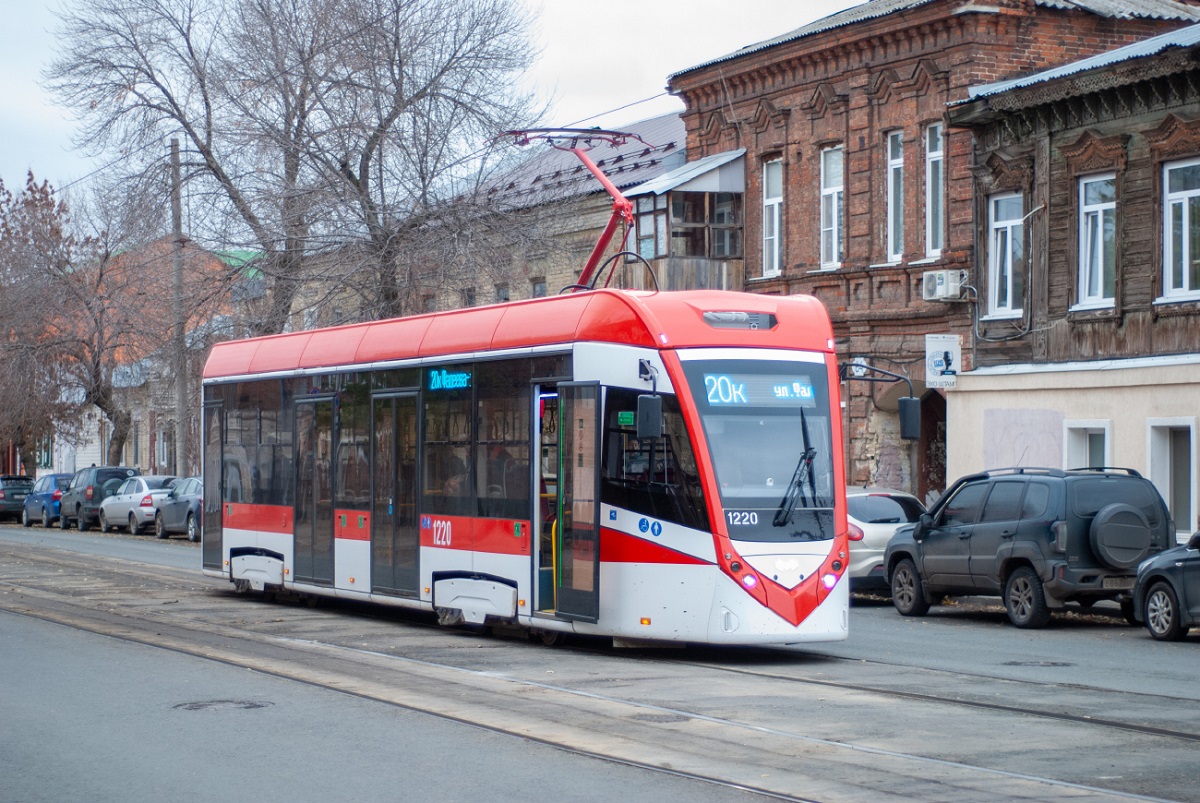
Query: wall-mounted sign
[943,360]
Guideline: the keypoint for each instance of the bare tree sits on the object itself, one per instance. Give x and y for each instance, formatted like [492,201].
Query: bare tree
[346,121]
[80,304]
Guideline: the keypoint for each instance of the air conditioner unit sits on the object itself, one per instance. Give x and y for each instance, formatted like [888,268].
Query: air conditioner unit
[941,285]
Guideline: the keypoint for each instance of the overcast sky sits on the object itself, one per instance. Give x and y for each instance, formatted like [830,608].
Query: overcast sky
[596,59]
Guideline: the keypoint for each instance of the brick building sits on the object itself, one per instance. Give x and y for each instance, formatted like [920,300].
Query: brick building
[1095,362]
[855,187]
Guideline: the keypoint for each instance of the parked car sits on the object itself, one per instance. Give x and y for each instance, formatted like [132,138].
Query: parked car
[134,502]
[875,514]
[1036,537]
[1166,596]
[179,510]
[42,502]
[13,490]
[89,487]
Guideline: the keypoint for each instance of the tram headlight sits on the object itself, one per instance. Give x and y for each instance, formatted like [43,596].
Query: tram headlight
[749,581]
[830,580]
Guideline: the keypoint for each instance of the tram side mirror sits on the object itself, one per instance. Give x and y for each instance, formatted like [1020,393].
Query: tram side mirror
[910,418]
[649,416]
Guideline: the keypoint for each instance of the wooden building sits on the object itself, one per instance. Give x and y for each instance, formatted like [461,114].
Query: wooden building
[1096,361]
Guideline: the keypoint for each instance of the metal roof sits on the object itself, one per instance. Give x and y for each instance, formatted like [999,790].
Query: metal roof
[691,171]
[1185,37]
[873,9]
[552,175]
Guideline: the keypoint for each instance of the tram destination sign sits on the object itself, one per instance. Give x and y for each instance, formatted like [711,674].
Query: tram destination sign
[759,390]
[441,379]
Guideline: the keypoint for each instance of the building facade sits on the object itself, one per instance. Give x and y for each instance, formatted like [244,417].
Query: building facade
[1097,360]
[858,192]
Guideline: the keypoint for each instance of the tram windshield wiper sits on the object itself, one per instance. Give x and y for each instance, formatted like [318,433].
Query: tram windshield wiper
[803,474]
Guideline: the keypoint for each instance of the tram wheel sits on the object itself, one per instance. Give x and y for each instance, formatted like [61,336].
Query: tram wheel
[549,638]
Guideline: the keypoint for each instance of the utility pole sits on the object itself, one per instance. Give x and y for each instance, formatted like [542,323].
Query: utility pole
[180,346]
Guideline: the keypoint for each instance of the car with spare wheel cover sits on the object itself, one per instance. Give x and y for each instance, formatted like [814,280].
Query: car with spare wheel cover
[1039,538]
[80,503]
[1166,596]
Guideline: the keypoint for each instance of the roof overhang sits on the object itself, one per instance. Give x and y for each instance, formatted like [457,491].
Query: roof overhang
[720,172]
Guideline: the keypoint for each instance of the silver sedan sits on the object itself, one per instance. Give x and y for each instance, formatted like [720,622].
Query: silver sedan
[134,503]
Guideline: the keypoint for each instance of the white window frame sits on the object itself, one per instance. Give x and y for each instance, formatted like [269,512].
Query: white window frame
[1091,287]
[832,198]
[1075,441]
[1158,465]
[935,192]
[1000,262]
[1185,291]
[772,221]
[894,153]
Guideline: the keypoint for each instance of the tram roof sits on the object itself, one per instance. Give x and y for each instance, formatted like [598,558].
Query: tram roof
[651,320]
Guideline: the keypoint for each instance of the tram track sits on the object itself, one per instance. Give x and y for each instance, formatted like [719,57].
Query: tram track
[1080,719]
[637,717]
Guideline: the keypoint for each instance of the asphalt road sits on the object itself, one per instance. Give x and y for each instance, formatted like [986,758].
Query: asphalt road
[91,718]
[955,706]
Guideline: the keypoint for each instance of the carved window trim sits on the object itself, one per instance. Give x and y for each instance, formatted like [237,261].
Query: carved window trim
[1091,156]
[1000,176]
[1176,295]
[1176,139]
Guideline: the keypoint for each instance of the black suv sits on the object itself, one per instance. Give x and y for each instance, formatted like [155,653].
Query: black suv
[89,487]
[1038,537]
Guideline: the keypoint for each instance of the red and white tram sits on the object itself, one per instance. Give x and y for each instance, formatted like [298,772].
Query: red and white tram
[646,466]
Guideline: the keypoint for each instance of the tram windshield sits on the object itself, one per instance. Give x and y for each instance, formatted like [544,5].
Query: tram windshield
[768,428]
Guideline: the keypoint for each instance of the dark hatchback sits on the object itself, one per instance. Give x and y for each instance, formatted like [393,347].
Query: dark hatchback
[13,490]
[89,487]
[1166,597]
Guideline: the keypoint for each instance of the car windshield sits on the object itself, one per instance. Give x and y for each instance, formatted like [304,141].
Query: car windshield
[884,508]
[17,482]
[768,430]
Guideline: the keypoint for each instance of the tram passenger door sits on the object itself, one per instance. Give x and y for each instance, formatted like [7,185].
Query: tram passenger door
[212,550]
[395,537]
[313,547]
[577,576]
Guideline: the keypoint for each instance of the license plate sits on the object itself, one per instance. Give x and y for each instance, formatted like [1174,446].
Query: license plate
[1120,583]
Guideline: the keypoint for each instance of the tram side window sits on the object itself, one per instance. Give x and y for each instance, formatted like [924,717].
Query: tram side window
[241,445]
[446,483]
[352,461]
[502,454]
[656,477]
